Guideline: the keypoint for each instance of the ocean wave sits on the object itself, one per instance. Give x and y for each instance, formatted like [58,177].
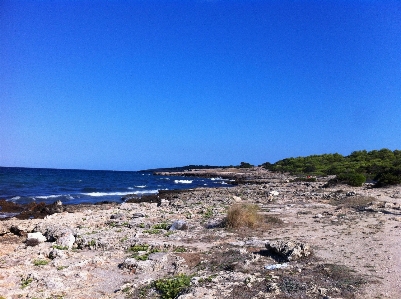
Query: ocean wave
[15,198]
[101,194]
[66,196]
[141,186]
[183,181]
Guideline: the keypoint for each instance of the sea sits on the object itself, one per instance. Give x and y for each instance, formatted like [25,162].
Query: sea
[71,186]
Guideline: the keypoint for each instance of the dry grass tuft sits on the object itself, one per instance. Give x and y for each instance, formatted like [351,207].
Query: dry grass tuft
[243,215]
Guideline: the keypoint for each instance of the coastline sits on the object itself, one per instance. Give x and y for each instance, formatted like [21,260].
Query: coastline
[364,239]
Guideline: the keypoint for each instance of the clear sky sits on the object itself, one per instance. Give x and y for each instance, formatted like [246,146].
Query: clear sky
[129,85]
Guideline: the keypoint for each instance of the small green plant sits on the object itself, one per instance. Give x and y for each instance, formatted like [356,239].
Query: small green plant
[161,226]
[141,225]
[152,231]
[208,213]
[170,288]
[61,267]
[60,247]
[40,262]
[180,249]
[137,248]
[145,256]
[169,233]
[25,282]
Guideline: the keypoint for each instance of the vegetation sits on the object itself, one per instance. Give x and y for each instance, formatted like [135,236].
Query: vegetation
[382,166]
[40,262]
[25,282]
[245,165]
[243,215]
[170,288]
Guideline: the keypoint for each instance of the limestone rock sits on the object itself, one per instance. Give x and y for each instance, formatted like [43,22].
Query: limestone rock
[35,238]
[179,225]
[237,198]
[289,249]
[63,235]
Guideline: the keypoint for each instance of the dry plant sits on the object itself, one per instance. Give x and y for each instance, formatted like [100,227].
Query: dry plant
[243,215]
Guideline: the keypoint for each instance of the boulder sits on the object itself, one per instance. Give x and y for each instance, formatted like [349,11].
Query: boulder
[289,249]
[63,235]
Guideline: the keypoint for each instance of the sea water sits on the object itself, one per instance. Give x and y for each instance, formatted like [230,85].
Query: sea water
[25,185]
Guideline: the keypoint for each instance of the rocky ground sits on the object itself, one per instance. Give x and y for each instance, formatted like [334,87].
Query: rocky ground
[313,242]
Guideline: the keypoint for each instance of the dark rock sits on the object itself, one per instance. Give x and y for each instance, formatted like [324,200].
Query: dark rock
[289,249]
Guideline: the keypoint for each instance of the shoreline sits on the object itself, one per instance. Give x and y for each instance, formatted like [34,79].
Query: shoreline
[96,243]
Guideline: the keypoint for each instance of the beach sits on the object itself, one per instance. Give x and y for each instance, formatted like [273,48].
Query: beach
[348,242]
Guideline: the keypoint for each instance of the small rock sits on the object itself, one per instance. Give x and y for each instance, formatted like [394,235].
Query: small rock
[35,238]
[118,216]
[66,240]
[291,250]
[130,264]
[179,225]
[138,215]
[164,202]
[237,198]
[56,253]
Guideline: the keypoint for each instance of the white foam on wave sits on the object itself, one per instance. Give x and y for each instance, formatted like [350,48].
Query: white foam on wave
[141,186]
[68,196]
[146,192]
[15,198]
[100,194]
[183,181]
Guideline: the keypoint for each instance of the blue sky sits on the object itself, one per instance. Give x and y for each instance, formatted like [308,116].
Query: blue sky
[128,85]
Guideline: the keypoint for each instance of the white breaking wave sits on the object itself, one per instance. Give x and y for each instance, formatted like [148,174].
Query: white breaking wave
[53,196]
[215,179]
[100,194]
[15,198]
[183,181]
[142,186]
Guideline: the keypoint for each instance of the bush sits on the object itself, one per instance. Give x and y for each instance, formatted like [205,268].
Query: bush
[245,165]
[170,288]
[356,180]
[243,215]
[385,179]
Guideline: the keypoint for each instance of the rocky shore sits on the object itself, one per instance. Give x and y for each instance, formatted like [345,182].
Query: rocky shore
[313,242]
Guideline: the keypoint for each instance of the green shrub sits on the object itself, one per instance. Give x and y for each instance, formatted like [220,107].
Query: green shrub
[356,180]
[170,288]
[387,178]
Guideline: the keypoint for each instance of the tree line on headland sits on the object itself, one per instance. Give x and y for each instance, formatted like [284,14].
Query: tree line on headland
[381,166]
